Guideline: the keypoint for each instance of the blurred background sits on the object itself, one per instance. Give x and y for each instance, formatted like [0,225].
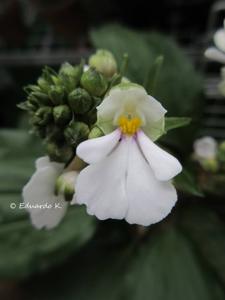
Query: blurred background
[181,258]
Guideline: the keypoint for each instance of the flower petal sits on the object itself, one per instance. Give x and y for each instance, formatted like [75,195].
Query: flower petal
[219,39]
[102,186]
[92,151]
[215,54]
[164,165]
[38,193]
[150,200]
[50,217]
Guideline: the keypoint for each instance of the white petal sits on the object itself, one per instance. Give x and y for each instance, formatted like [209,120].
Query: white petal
[50,217]
[152,109]
[154,114]
[219,39]
[150,200]
[39,191]
[93,150]
[215,54]
[126,97]
[164,165]
[42,162]
[102,186]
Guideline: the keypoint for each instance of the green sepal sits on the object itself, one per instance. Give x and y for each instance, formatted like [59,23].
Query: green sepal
[62,114]
[176,122]
[76,132]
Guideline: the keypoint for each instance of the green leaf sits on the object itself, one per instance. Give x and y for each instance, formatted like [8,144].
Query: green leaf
[153,75]
[185,182]
[162,267]
[25,250]
[207,231]
[173,122]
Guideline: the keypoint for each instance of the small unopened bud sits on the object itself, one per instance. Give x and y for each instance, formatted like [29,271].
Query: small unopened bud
[59,154]
[42,116]
[62,114]
[76,133]
[104,62]
[95,133]
[56,94]
[80,101]
[222,147]
[70,75]
[210,165]
[94,82]
[40,98]
[65,185]
[26,105]
[43,84]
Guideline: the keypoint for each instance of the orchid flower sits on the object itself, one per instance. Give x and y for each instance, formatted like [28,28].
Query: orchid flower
[129,176]
[217,53]
[46,208]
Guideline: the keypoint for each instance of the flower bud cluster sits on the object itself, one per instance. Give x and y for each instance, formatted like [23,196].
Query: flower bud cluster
[62,105]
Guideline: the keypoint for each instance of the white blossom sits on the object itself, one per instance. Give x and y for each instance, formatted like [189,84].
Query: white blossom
[129,176]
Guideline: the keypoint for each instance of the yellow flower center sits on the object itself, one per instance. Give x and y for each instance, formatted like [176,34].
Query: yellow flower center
[129,126]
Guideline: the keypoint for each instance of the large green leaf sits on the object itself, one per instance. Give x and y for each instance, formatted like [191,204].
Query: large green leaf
[24,249]
[163,267]
[207,231]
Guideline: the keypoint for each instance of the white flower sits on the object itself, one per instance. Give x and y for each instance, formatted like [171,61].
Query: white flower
[205,148]
[128,176]
[217,53]
[45,207]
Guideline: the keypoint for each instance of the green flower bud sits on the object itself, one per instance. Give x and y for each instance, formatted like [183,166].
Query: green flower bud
[65,185]
[56,94]
[210,165]
[42,116]
[26,105]
[76,132]
[39,98]
[54,133]
[43,84]
[70,75]
[80,101]
[222,147]
[59,153]
[104,62]
[95,133]
[56,80]
[31,88]
[62,114]
[94,82]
